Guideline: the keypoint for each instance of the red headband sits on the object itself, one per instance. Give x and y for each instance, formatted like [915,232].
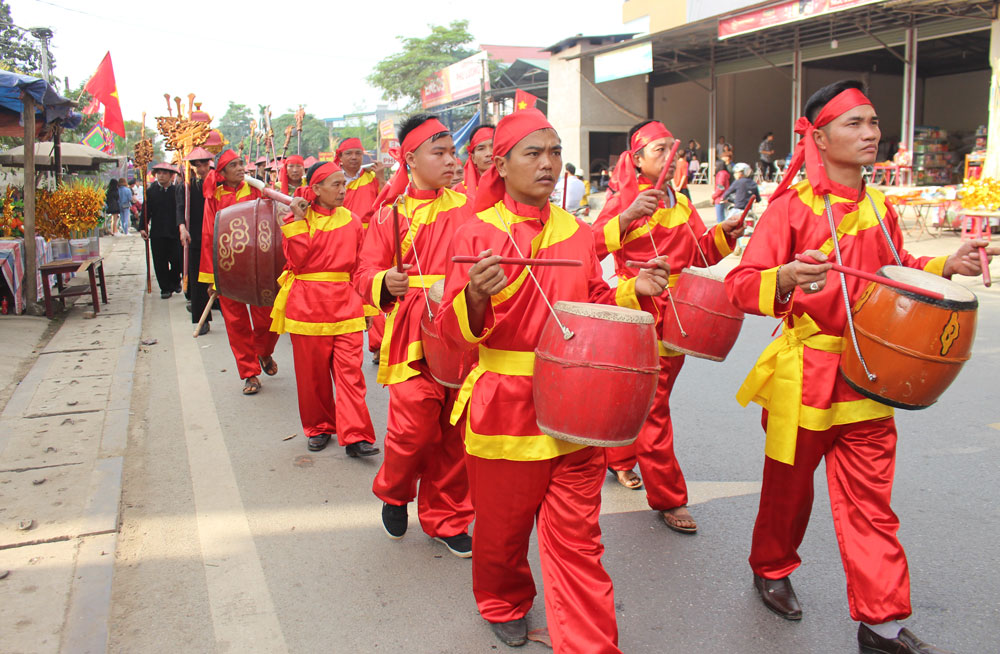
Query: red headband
[214,177]
[509,132]
[471,170]
[318,175]
[806,150]
[413,140]
[347,144]
[624,182]
[283,174]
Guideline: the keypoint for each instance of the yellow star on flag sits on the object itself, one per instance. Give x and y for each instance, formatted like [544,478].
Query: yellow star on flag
[522,104]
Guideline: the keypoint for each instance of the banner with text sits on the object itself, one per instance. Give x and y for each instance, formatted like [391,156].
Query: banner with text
[456,82]
[781,13]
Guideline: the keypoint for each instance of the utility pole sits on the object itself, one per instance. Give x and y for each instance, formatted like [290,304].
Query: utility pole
[43,34]
[482,94]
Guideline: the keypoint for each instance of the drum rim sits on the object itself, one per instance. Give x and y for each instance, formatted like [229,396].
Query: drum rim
[582,440]
[613,311]
[879,398]
[705,273]
[430,291]
[957,305]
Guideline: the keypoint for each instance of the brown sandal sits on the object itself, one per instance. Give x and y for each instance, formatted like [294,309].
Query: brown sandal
[251,386]
[268,365]
[676,522]
[627,478]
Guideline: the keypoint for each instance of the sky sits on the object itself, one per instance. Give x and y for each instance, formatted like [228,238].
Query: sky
[278,53]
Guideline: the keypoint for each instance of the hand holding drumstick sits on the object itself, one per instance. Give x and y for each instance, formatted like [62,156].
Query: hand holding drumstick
[971,258]
[810,277]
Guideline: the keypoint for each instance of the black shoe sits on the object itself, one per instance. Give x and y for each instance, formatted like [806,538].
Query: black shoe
[905,643]
[460,545]
[165,295]
[188,307]
[205,328]
[316,443]
[178,289]
[375,357]
[394,520]
[779,596]
[513,633]
[362,448]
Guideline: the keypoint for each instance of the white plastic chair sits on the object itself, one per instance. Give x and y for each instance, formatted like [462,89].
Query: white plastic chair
[700,177]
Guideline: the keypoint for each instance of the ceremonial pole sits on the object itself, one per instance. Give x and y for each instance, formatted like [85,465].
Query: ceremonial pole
[143,155]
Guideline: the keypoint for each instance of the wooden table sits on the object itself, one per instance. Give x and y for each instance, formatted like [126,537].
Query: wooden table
[94,268]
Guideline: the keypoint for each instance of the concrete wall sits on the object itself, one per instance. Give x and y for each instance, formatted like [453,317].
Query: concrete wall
[565,107]
[957,103]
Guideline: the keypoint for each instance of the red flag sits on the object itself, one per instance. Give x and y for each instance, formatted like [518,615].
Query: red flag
[102,87]
[524,100]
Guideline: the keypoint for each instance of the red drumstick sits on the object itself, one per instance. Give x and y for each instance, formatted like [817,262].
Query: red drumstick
[395,233]
[517,261]
[874,278]
[666,165]
[642,265]
[746,209]
[985,264]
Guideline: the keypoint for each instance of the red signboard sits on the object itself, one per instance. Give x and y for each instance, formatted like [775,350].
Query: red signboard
[781,13]
[457,81]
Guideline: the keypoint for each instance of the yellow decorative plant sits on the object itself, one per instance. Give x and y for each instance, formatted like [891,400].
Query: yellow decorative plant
[72,210]
[981,193]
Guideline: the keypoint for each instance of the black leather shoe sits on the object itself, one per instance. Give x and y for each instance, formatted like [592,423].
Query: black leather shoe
[205,328]
[165,295]
[905,643]
[394,520]
[317,443]
[178,289]
[513,633]
[779,596]
[460,544]
[362,448]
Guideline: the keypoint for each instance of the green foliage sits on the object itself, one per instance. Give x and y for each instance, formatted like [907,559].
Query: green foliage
[367,132]
[315,137]
[235,124]
[19,52]
[133,133]
[400,76]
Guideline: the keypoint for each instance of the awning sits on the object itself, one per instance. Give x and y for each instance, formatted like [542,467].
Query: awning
[50,105]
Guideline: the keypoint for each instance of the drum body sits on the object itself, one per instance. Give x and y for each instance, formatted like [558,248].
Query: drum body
[246,254]
[914,345]
[711,322]
[448,366]
[597,387]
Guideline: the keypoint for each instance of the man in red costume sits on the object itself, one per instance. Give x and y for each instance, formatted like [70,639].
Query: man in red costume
[420,444]
[518,474]
[291,177]
[641,222]
[247,326]
[363,187]
[480,150]
[321,310]
[809,411]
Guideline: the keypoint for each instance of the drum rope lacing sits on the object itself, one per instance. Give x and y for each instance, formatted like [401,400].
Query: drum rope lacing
[843,278]
[567,334]
[656,254]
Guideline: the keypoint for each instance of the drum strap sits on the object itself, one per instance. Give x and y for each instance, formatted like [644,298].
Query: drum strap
[843,284]
[892,246]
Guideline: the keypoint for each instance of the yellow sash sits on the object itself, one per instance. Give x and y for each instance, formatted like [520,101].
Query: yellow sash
[424,281]
[775,382]
[503,362]
[286,280]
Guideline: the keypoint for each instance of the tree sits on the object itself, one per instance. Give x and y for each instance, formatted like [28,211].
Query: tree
[235,124]
[315,137]
[401,76]
[17,50]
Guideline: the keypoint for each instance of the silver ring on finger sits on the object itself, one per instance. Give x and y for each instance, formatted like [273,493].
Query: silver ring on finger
[814,286]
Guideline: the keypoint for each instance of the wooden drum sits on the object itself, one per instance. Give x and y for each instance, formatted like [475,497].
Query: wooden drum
[914,345]
[448,366]
[246,255]
[596,388]
[711,322]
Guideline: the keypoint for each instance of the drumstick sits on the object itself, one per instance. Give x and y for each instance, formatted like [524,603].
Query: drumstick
[746,209]
[395,234]
[518,261]
[641,265]
[666,165]
[874,278]
[204,314]
[985,264]
[268,192]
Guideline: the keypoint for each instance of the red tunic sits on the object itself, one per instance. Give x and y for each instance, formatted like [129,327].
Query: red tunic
[361,194]
[796,378]
[316,296]
[427,222]
[225,196]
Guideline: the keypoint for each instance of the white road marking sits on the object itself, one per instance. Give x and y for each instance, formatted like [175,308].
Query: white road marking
[243,614]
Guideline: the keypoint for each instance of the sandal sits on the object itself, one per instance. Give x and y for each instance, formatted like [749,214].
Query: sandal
[251,386]
[627,478]
[676,522]
[268,365]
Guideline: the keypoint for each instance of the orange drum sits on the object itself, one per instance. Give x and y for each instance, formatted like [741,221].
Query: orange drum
[247,254]
[597,387]
[711,323]
[448,366]
[914,345]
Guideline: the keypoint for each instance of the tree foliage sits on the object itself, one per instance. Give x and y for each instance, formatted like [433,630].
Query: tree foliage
[18,51]
[315,136]
[400,76]
[235,124]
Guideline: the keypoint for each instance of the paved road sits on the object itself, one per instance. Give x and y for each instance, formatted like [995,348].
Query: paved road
[234,539]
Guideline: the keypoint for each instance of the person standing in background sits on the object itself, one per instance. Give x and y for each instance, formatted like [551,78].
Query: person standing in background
[722,180]
[766,153]
[111,205]
[124,204]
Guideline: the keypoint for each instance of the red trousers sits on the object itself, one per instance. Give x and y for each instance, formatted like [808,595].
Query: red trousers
[376,332]
[860,462]
[422,445]
[320,363]
[250,336]
[564,496]
[654,448]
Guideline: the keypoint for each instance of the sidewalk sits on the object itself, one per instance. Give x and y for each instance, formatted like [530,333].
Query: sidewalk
[62,438]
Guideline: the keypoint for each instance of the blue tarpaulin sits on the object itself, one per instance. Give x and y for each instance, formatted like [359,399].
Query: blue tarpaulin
[462,134]
[50,106]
